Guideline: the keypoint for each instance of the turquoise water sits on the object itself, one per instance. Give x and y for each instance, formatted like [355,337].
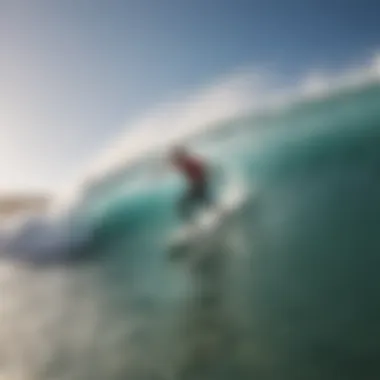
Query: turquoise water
[289,289]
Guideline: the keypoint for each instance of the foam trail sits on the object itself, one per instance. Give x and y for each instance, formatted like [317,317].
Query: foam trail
[43,236]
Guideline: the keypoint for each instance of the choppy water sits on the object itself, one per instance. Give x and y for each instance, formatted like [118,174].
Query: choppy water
[289,290]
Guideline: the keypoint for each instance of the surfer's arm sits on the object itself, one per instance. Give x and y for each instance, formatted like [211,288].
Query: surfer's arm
[163,169]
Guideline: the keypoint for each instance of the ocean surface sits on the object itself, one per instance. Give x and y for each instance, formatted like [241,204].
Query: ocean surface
[288,289]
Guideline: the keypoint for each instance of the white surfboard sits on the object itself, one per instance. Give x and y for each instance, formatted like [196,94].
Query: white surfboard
[207,222]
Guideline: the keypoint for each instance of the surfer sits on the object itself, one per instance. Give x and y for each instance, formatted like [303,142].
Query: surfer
[197,177]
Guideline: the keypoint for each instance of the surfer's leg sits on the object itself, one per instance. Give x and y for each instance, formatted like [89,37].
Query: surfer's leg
[197,196]
[203,195]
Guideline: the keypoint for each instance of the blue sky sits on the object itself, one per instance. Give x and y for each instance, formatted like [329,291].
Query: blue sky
[73,72]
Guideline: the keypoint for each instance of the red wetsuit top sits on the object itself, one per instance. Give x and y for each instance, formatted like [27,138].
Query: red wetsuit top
[192,169]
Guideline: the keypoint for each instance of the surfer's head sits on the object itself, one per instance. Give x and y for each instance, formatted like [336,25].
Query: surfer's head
[178,154]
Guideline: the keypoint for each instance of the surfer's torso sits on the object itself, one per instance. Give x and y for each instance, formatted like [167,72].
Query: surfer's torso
[193,169]
[195,172]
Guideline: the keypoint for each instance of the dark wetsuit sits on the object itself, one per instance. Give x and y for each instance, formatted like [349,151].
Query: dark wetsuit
[198,193]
